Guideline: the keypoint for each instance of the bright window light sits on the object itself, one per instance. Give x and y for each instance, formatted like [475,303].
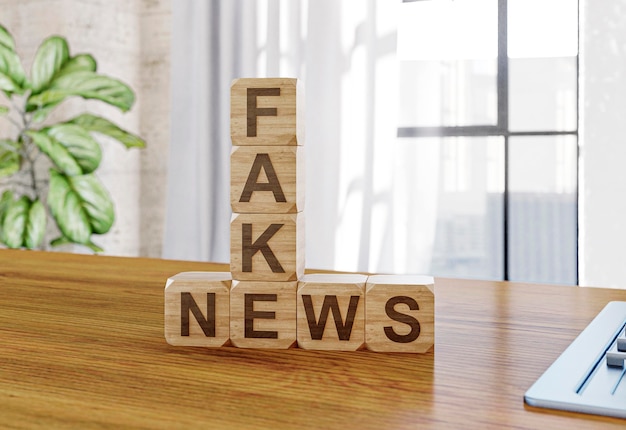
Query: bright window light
[542,28]
[448,30]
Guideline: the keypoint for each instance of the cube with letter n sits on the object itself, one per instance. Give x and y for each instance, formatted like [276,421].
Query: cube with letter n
[197,309]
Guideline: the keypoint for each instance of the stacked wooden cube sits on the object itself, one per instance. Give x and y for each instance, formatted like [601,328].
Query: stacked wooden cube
[267,199]
[266,301]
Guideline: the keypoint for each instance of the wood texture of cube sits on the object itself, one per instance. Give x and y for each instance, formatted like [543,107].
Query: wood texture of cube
[266,111]
[197,309]
[267,179]
[331,312]
[263,314]
[400,313]
[267,247]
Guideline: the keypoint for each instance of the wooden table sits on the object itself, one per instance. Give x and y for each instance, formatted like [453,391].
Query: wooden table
[82,346]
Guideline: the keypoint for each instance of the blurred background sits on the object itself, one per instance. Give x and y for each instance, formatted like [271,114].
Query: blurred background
[467,138]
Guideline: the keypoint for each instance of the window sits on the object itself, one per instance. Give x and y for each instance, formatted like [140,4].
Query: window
[493,83]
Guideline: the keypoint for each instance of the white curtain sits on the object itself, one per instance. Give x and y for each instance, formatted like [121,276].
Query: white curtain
[370,204]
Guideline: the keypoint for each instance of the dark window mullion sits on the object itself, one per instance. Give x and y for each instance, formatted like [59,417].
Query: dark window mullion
[503,67]
[503,119]
[474,131]
[451,131]
[543,133]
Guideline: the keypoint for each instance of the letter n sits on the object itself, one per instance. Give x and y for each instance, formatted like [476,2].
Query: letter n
[188,304]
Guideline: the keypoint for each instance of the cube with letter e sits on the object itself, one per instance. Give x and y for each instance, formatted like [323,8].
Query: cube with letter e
[263,314]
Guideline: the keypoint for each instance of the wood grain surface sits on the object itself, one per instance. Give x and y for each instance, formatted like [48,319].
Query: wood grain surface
[82,346]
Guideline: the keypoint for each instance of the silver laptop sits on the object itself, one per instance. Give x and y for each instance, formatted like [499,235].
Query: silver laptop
[589,376]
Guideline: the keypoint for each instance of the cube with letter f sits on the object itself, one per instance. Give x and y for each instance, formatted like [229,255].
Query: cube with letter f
[266,112]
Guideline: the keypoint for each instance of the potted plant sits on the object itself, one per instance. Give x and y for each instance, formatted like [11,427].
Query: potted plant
[47,170]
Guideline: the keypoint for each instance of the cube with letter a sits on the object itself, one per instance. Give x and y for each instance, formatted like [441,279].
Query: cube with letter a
[331,312]
[267,179]
[266,111]
[197,309]
[400,313]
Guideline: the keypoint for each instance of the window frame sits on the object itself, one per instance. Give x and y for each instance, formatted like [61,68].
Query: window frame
[501,129]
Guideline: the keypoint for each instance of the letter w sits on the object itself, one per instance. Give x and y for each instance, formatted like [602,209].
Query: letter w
[330,303]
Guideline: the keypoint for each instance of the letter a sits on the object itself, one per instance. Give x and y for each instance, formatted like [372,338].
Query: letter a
[262,161]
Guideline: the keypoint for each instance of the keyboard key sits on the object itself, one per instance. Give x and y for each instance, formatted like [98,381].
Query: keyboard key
[615,358]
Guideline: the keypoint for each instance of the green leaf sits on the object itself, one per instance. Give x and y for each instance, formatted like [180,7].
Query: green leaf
[60,241]
[51,56]
[80,205]
[95,200]
[6,39]
[35,226]
[67,210]
[42,113]
[58,153]
[94,247]
[88,85]
[101,125]
[65,241]
[8,85]
[12,76]
[23,221]
[4,110]
[79,143]
[10,159]
[5,201]
[14,225]
[78,63]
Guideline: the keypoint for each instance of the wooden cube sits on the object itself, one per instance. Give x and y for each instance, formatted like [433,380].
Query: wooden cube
[267,179]
[400,313]
[263,314]
[197,309]
[266,111]
[331,312]
[267,247]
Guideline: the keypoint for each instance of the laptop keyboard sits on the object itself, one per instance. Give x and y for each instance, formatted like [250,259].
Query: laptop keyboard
[589,376]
